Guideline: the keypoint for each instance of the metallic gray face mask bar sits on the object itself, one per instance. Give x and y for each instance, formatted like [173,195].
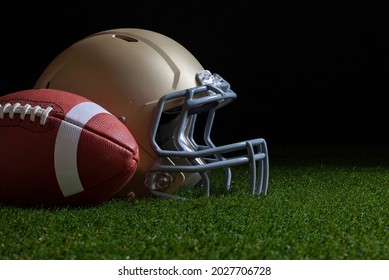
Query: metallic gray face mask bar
[188,156]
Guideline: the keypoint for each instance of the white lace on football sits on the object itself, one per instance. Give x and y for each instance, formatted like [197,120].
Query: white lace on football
[27,109]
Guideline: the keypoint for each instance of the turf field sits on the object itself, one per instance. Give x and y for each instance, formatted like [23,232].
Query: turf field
[323,203]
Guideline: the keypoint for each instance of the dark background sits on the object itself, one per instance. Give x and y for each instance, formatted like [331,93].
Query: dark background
[311,74]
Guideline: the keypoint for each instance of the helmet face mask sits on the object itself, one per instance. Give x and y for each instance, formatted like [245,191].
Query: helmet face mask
[161,106]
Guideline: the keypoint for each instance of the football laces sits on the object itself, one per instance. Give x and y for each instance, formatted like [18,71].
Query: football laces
[18,109]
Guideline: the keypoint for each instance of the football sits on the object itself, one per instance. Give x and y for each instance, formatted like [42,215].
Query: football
[59,148]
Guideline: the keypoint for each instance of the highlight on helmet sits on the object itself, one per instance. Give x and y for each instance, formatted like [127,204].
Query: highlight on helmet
[167,100]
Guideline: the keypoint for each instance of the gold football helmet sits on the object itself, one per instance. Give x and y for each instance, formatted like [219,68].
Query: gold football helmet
[160,90]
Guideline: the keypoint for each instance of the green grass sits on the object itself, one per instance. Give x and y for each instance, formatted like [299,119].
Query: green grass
[321,204]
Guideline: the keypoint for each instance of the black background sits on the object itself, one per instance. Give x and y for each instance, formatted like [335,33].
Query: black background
[304,74]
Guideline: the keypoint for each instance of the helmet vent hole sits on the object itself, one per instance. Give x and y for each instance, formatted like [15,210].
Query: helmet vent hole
[125,38]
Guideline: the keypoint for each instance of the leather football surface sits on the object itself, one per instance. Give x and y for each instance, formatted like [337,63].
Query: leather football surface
[60,148]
